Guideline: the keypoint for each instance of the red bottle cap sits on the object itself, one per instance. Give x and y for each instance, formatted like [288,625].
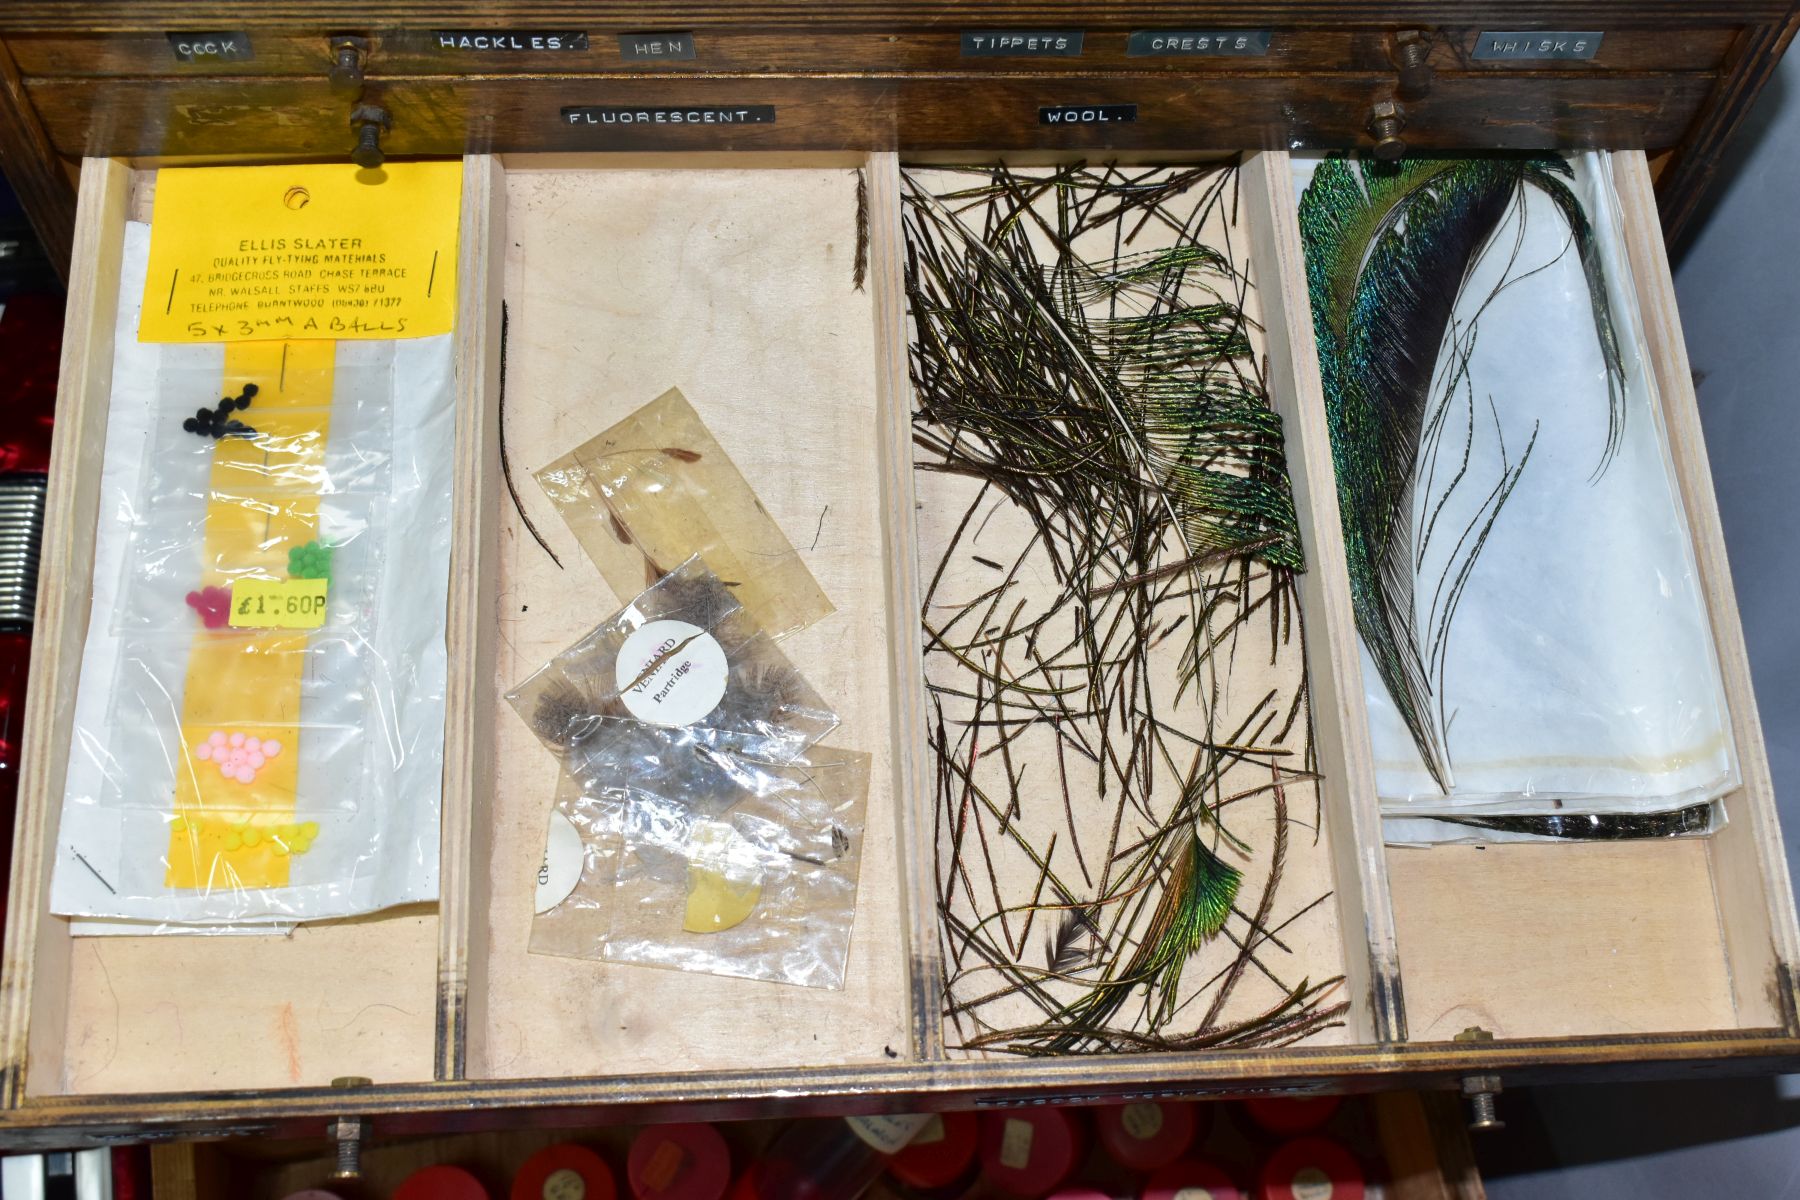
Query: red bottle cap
[679,1162]
[1191,1179]
[1146,1135]
[441,1183]
[1033,1151]
[564,1173]
[1292,1114]
[1312,1169]
[940,1153]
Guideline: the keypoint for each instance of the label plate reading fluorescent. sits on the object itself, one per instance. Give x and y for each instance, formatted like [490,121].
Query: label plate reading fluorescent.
[278,603]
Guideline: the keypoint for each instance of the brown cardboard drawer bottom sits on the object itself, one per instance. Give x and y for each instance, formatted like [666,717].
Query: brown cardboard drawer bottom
[1679,958]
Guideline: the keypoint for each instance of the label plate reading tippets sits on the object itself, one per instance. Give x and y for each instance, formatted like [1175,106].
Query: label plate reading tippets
[1171,43]
[510,41]
[701,114]
[1536,44]
[636,47]
[1087,114]
[278,603]
[1021,43]
[211,47]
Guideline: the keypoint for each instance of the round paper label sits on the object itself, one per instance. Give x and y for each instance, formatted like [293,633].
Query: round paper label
[562,865]
[1142,1120]
[1310,1183]
[671,673]
[565,1184]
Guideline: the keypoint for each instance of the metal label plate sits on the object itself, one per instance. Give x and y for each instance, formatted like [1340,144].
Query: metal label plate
[211,47]
[1197,43]
[697,114]
[1536,44]
[1022,43]
[509,41]
[639,47]
[1087,114]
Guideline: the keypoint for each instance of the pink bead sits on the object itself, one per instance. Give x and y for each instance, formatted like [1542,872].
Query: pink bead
[245,775]
[237,739]
[271,748]
[257,760]
[225,769]
[218,738]
[203,751]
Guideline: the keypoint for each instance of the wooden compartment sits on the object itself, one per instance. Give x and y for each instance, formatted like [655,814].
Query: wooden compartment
[731,276]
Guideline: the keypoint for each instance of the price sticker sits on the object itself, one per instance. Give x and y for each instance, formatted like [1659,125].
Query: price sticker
[278,603]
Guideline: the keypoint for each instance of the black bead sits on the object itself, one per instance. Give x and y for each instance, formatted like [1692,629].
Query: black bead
[203,415]
[191,425]
[249,391]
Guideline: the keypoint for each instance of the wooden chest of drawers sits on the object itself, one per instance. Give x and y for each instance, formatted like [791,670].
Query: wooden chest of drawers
[1683,960]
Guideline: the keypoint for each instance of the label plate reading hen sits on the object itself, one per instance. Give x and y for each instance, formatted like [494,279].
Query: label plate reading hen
[671,673]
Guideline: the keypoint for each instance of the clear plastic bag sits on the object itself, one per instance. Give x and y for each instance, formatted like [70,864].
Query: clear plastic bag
[681,674]
[657,489]
[262,772]
[756,881]
[1578,674]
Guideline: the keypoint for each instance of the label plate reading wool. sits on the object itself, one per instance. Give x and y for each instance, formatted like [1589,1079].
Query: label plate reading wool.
[1087,114]
[671,673]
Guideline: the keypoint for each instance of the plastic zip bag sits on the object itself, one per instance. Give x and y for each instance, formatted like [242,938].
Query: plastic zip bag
[657,489]
[758,881]
[678,677]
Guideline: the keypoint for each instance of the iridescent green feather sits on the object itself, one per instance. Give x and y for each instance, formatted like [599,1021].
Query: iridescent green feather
[1389,248]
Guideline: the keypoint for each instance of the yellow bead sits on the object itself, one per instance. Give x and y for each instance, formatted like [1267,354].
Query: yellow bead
[232,841]
[302,845]
[178,825]
[289,832]
[252,836]
[309,830]
[278,846]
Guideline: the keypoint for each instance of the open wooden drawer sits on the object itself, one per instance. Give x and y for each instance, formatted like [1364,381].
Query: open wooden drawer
[732,276]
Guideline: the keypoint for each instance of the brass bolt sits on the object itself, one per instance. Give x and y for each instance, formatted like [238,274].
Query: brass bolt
[349,1133]
[1480,1090]
[346,66]
[1412,52]
[1386,120]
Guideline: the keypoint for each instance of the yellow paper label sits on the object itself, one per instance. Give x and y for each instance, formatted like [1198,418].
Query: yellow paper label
[278,603]
[310,251]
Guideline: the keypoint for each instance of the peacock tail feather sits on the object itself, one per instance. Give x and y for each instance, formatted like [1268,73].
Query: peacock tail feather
[1389,250]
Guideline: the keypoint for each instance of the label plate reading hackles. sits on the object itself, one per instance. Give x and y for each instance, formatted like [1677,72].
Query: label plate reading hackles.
[278,603]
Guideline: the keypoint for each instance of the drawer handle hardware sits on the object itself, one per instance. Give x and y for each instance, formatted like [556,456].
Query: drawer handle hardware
[1412,50]
[347,66]
[1386,120]
[1480,1090]
[349,1133]
[370,121]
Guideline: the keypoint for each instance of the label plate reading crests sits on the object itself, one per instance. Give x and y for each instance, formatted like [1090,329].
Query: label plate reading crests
[1086,114]
[697,114]
[211,47]
[1177,43]
[1021,43]
[278,603]
[636,47]
[1536,44]
[509,41]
